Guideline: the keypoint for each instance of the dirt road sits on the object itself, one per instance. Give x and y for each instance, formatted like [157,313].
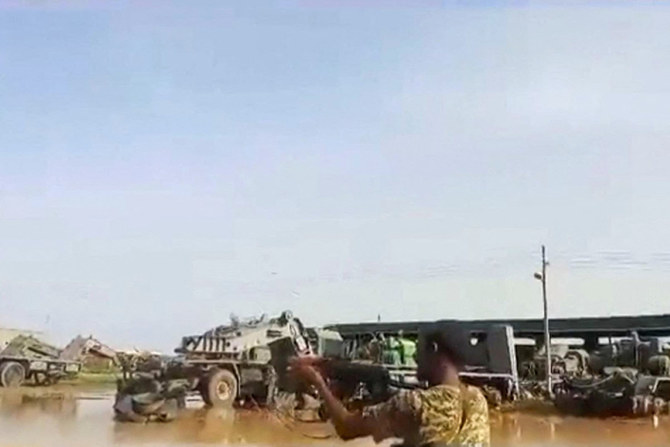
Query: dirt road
[76,417]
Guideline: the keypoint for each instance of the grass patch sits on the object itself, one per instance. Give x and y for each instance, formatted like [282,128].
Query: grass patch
[90,378]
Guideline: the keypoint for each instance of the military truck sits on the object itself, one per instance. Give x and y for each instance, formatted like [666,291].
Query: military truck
[27,358]
[490,358]
[234,361]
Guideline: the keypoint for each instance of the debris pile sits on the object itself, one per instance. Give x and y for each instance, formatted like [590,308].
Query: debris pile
[620,394]
[145,398]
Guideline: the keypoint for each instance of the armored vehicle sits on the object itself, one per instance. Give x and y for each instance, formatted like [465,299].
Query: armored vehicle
[234,361]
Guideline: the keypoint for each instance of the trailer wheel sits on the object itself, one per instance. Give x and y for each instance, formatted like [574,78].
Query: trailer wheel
[12,374]
[219,389]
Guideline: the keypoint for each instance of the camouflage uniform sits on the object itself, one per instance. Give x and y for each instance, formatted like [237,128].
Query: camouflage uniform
[444,414]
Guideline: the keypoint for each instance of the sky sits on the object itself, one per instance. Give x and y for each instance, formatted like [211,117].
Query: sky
[164,164]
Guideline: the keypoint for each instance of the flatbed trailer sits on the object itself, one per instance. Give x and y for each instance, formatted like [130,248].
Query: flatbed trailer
[15,370]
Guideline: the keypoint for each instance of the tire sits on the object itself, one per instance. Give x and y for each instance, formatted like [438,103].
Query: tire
[40,379]
[219,389]
[12,374]
[168,411]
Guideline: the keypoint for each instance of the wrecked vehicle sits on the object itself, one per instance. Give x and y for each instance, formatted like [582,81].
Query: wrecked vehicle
[650,355]
[623,393]
[564,362]
[26,358]
[145,398]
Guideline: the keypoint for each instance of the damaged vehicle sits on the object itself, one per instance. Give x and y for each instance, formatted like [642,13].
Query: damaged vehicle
[145,398]
[622,393]
[29,359]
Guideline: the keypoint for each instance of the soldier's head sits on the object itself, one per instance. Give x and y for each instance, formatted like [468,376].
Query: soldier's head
[437,358]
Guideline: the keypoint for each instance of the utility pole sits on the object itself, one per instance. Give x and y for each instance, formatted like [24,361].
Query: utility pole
[547,339]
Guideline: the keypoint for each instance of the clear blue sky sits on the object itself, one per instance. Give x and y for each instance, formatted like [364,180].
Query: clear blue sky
[163,164]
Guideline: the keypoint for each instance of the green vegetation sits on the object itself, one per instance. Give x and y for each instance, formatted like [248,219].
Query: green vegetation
[90,378]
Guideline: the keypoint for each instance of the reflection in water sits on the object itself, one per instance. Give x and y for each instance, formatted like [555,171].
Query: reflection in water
[530,429]
[84,420]
[199,425]
[17,404]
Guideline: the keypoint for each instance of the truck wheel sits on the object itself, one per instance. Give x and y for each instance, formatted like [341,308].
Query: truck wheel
[219,389]
[12,374]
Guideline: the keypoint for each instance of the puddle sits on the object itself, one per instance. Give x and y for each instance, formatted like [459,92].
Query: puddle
[75,418]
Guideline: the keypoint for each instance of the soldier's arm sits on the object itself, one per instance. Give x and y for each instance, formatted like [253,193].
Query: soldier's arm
[348,425]
[398,417]
[381,421]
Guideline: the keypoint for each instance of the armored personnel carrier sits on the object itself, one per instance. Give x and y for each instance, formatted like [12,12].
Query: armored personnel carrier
[235,361]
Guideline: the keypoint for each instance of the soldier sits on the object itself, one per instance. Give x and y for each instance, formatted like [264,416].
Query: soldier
[448,412]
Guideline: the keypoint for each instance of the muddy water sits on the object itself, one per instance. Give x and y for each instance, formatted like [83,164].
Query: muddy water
[84,418]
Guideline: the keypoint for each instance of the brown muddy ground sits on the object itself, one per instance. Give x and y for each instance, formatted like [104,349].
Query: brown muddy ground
[69,416]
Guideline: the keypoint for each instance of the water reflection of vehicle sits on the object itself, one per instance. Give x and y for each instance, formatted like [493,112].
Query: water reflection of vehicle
[57,404]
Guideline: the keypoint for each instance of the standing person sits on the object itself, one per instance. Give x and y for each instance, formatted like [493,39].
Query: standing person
[448,412]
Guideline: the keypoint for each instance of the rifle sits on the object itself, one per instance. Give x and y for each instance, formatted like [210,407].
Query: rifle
[362,383]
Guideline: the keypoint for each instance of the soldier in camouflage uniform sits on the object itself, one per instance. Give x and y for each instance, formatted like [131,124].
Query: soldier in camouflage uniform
[447,413]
